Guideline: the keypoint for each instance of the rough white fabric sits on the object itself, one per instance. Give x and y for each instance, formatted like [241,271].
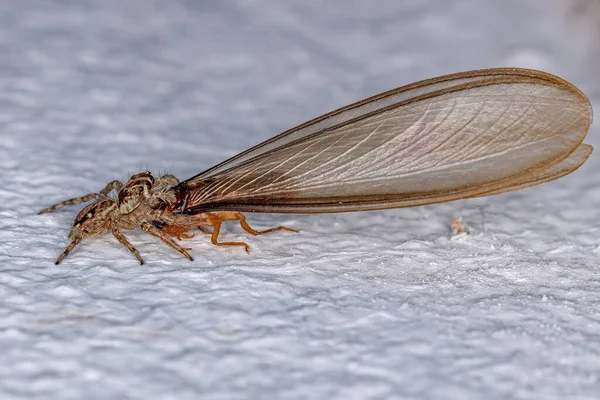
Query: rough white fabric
[356,306]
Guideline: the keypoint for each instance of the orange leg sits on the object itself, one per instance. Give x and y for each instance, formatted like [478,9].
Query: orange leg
[203,230]
[216,218]
[215,236]
[249,229]
[177,231]
[176,226]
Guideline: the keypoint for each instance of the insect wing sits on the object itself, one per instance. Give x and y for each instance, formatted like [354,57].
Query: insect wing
[446,138]
[565,167]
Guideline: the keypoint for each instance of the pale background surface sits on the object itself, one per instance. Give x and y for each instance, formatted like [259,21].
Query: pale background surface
[356,306]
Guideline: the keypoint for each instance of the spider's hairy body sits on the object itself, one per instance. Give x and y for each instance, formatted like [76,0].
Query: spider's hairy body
[136,205]
[92,220]
[145,202]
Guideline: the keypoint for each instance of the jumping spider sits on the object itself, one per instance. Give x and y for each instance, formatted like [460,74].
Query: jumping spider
[145,201]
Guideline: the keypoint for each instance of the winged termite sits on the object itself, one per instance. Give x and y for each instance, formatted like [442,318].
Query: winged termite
[457,136]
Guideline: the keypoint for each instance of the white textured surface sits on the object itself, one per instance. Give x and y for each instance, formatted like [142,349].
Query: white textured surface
[367,305]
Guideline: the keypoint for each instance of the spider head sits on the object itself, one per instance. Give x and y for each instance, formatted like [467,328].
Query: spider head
[135,191]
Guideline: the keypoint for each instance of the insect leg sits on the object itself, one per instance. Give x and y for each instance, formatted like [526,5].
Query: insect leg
[68,250]
[249,229]
[154,231]
[121,238]
[204,230]
[78,200]
[177,231]
[215,235]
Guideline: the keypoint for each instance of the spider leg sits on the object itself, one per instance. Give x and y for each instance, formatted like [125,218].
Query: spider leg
[154,231]
[121,238]
[116,185]
[68,250]
[83,199]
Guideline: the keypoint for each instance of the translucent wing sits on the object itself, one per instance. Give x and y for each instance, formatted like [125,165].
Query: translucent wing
[565,167]
[446,138]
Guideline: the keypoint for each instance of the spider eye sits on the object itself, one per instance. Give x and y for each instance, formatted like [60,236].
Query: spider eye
[126,191]
[141,189]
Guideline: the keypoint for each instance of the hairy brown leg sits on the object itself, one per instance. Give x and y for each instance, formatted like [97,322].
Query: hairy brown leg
[215,235]
[78,200]
[67,250]
[126,243]
[154,231]
[116,185]
[249,229]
